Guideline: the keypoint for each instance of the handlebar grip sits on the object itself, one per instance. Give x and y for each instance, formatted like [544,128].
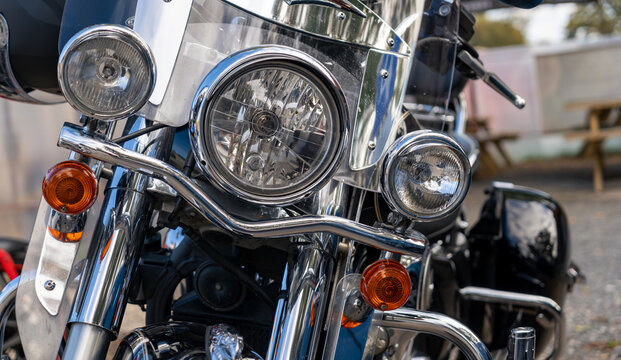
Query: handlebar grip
[491,79]
[503,89]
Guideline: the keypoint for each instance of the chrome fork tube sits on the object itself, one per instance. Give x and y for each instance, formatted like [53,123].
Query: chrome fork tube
[299,317]
[124,217]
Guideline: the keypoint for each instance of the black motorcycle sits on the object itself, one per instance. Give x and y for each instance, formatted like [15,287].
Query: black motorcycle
[287,184]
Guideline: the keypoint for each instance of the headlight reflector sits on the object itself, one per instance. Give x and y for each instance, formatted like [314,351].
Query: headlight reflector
[107,72]
[426,175]
[270,128]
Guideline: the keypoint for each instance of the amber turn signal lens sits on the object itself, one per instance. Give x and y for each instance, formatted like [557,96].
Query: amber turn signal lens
[385,285]
[70,187]
[65,237]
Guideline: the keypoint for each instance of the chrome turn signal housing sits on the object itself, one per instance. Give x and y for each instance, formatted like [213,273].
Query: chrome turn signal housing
[426,175]
[106,72]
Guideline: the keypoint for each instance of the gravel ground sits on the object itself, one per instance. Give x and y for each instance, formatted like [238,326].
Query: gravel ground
[593,310]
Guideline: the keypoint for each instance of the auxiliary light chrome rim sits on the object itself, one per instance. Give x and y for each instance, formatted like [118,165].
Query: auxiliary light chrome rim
[410,143]
[110,31]
[245,62]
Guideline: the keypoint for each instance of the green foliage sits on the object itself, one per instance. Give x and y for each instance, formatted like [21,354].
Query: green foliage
[490,33]
[601,17]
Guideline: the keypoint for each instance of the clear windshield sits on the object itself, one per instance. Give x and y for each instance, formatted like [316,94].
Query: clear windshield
[80,14]
[434,81]
[368,55]
[189,38]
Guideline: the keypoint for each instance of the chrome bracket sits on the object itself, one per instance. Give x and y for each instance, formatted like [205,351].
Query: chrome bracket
[53,272]
[339,4]
[56,260]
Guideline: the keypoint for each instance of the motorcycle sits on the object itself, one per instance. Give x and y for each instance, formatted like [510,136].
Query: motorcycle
[272,195]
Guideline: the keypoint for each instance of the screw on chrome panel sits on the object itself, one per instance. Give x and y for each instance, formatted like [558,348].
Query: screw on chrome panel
[384,74]
[130,23]
[341,15]
[444,10]
[391,42]
[49,285]
[372,145]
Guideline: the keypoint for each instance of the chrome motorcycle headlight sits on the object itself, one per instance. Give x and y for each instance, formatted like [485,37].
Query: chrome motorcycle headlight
[270,125]
[426,175]
[106,72]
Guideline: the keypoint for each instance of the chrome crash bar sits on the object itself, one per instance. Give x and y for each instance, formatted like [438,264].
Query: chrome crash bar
[438,325]
[540,303]
[72,138]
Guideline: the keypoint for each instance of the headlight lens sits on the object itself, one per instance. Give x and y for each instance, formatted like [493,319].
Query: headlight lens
[106,72]
[426,175]
[271,131]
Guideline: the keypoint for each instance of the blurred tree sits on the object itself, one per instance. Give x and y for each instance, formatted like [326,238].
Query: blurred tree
[490,33]
[601,17]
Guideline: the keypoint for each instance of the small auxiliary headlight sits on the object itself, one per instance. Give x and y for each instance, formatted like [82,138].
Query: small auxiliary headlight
[426,175]
[106,72]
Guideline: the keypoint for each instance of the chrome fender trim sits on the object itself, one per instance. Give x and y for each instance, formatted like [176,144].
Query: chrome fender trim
[440,325]
[72,138]
[7,295]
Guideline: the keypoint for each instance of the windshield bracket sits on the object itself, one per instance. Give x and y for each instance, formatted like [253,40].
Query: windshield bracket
[339,4]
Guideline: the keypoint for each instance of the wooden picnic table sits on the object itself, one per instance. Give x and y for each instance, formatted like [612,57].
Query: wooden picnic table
[488,142]
[598,131]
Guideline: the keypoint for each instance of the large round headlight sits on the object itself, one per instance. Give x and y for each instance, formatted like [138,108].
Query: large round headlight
[426,175]
[270,127]
[106,72]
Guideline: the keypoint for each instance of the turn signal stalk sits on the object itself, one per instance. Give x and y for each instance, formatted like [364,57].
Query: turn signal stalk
[70,187]
[385,285]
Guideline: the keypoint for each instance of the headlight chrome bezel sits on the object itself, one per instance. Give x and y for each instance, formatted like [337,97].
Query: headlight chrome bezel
[236,66]
[412,142]
[116,32]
